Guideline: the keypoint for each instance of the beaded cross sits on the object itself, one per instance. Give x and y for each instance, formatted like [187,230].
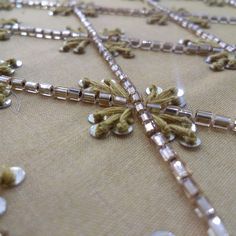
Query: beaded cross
[160,112]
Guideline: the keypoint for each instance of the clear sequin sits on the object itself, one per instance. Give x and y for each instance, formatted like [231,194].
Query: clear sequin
[93,133]
[189,145]
[18,63]
[91,119]
[159,90]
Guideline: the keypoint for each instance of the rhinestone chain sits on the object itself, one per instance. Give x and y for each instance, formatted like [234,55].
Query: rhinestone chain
[197,30]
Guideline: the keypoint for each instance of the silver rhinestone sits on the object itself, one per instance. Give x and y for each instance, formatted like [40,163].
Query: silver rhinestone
[3,206]
[156,46]
[179,169]
[230,48]
[159,139]
[146,45]
[167,153]
[114,68]
[19,174]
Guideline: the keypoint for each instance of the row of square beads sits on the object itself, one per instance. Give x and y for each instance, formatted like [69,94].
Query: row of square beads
[203,207]
[134,43]
[197,30]
[64,93]
[218,19]
[35,4]
[171,47]
[100,9]
[115,11]
[208,119]
[178,167]
[150,126]
[123,11]
[104,10]
[204,118]
[42,33]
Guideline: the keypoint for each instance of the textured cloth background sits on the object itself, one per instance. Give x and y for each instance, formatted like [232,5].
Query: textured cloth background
[79,186]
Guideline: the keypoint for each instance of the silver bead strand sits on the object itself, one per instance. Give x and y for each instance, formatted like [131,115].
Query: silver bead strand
[197,30]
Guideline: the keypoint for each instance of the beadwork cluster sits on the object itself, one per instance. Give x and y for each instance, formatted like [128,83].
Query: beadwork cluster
[177,166]
[121,99]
